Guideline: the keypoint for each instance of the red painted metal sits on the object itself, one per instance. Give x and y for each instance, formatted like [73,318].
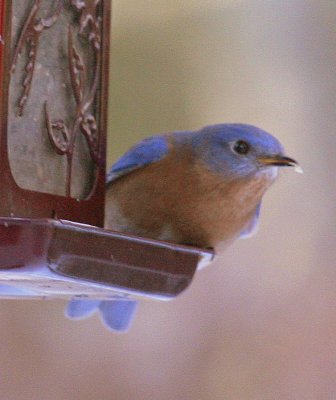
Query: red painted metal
[2,43]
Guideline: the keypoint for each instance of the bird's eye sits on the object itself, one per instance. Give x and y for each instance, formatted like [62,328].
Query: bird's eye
[241,147]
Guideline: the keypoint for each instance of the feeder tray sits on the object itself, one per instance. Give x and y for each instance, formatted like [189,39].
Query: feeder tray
[54,63]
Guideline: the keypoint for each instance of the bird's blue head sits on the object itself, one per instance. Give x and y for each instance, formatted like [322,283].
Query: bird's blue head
[239,150]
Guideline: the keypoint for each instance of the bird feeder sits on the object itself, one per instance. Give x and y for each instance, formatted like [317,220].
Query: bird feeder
[54,64]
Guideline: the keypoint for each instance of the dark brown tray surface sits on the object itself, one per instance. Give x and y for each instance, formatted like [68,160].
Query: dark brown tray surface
[94,256]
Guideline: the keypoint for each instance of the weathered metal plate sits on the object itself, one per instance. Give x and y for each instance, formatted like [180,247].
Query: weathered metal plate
[54,63]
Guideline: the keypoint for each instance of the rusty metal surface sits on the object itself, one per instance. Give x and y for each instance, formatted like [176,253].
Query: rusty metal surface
[53,106]
[64,259]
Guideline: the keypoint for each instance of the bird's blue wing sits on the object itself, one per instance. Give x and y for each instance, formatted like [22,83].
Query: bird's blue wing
[117,315]
[146,152]
[252,227]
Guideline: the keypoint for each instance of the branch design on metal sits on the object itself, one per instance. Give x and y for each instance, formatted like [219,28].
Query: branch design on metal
[84,82]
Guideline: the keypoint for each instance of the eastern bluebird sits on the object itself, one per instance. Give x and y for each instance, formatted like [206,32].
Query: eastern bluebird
[200,188]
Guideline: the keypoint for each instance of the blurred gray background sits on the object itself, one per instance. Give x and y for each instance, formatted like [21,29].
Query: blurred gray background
[260,323]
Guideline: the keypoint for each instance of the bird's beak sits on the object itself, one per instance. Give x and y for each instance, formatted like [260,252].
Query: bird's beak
[280,161]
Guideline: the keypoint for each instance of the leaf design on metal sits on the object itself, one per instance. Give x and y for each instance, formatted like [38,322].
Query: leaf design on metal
[77,69]
[89,20]
[90,131]
[30,36]
[57,132]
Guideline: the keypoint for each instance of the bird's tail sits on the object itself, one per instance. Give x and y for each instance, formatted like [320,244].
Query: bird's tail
[117,315]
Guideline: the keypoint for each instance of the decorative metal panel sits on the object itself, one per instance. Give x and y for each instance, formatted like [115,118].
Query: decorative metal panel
[54,104]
